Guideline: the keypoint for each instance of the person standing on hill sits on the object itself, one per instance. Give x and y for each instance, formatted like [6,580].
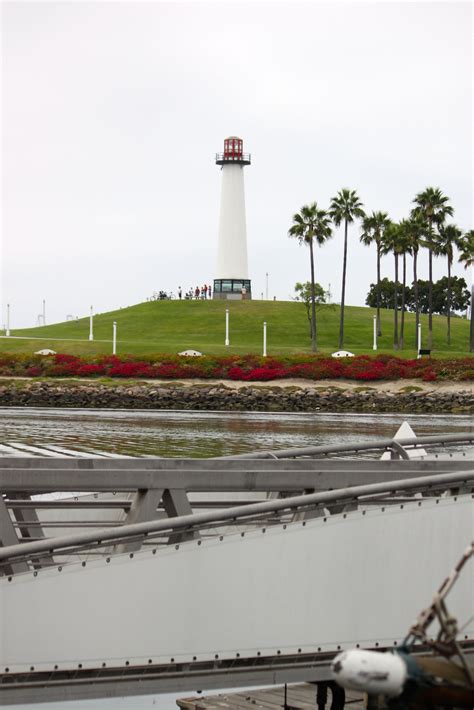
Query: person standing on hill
[180,293]
[205,291]
[196,293]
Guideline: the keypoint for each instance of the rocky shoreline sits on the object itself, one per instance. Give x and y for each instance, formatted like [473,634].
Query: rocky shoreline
[268,397]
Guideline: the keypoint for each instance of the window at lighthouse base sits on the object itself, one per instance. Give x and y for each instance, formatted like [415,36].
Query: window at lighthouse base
[232,286]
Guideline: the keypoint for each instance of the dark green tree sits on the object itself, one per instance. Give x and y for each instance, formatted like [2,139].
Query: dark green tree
[433,207]
[311,224]
[345,207]
[387,294]
[373,229]
[459,297]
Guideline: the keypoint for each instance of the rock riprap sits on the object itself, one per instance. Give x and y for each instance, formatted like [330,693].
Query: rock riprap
[220,397]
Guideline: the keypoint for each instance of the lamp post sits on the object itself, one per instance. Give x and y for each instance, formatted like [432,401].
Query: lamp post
[8,321]
[91,325]
[264,339]
[266,286]
[375,333]
[114,339]
[44,311]
[227,327]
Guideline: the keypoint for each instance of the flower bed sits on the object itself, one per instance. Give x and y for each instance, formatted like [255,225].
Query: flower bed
[248,368]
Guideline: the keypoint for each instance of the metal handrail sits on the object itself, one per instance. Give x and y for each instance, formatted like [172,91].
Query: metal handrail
[413,442]
[144,529]
[242,158]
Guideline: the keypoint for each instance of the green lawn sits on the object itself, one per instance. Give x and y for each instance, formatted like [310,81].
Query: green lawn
[172,326]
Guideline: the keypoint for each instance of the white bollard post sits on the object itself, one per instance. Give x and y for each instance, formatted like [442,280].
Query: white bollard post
[91,325]
[114,339]
[8,321]
[419,340]
[264,339]
[375,333]
[227,327]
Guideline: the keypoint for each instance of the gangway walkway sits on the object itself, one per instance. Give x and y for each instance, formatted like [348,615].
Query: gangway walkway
[217,573]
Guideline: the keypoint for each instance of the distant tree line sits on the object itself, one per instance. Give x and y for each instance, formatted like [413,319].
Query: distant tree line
[459,301]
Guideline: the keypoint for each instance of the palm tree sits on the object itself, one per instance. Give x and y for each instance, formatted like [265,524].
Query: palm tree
[403,247]
[310,224]
[345,207]
[448,237]
[373,229]
[415,231]
[466,257]
[433,206]
[390,244]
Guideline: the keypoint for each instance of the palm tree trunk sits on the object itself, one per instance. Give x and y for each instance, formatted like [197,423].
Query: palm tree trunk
[395,307]
[379,324]
[343,295]
[430,293]
[313,300]
[471,327]
[449,300]
[402,324]
[415,287]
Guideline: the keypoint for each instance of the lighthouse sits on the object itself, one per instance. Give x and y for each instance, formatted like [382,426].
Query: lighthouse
[232,280]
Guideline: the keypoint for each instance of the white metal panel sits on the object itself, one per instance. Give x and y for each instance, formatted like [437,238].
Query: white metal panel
[232,241]
[320,585]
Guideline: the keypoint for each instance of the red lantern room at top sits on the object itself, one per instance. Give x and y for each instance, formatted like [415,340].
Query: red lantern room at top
[233,148]
[233,152]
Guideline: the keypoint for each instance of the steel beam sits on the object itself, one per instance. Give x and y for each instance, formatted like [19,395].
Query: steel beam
[213,475]
[176,504]
[9,539]
[144,507]
[243,512]
[31,527]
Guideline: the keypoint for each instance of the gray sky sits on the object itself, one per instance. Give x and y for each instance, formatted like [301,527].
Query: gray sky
[112,114]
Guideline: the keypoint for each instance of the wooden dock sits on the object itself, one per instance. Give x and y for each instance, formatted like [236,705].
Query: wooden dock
[299,697]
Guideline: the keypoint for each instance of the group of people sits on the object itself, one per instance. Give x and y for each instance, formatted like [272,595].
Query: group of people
[198,293]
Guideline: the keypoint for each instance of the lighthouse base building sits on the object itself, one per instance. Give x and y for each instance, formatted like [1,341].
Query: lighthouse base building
[232,281]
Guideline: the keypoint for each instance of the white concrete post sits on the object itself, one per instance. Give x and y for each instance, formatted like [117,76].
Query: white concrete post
[226,326]
[44,312]
[375,333]
[264,339]
[419,340]
[91,325]
[114,339]
[8,321]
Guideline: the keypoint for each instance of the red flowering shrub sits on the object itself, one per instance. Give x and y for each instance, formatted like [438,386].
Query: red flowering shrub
[238,367]
[90,370]
[131,369]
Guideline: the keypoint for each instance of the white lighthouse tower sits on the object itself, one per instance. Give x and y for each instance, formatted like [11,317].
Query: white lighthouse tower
[232,281]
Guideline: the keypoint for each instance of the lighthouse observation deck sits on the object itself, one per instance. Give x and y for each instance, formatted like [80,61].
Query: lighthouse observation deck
[233,153]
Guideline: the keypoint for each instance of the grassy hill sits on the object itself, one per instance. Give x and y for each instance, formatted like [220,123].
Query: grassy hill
[172,326]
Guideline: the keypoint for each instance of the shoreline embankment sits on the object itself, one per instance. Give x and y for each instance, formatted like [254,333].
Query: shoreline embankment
[404,396]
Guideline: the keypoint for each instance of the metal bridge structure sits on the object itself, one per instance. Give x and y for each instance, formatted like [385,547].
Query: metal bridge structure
[137,576]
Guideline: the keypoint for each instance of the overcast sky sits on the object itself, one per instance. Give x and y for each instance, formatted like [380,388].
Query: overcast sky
[112,114]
